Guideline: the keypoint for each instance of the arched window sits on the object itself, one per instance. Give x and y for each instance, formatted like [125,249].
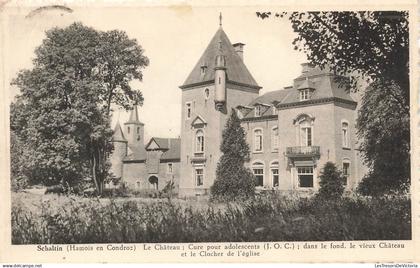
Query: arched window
[345,134]
[275,139]
[274,170]
[199,141]
[138,130]
[258,140]
[306,134]
[258,170]
[128,130]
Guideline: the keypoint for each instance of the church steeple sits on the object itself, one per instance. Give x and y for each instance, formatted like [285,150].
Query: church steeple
[134,117]
[134,129]
[220,20]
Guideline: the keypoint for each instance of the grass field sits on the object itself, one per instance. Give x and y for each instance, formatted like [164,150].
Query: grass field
[41,219]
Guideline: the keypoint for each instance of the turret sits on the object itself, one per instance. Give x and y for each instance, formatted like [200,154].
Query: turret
[120,151]
[134,129]
[220,82]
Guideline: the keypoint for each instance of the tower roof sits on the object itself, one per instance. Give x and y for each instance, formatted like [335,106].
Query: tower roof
[236,69]
[118,133]
[134,117]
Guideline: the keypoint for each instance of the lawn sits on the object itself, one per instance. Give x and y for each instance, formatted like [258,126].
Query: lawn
[41,219]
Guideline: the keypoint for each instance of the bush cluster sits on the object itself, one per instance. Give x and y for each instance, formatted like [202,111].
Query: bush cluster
[265,218]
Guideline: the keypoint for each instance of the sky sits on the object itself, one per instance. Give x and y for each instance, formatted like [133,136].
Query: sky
[173,39]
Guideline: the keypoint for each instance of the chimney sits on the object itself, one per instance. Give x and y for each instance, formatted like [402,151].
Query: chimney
[306,67]
[239,49]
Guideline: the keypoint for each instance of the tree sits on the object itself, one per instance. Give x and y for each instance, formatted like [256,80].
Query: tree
[373,47]
[64,109]
[331,182]
[233,180]
[385,125]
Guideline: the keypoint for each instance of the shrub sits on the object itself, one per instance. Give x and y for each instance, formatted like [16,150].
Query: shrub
[268,217]
[331,183]
[233,180]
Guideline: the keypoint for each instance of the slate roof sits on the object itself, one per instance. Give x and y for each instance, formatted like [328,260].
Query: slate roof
[118,133]
[325,87]
[138,153]
[270,97]
[235,67]
[174,151]
[322,83]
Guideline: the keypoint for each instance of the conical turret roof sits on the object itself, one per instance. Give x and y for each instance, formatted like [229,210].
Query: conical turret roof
[118,133]
[235,67]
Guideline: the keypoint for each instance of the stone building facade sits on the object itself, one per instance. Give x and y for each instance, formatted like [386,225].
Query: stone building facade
[142,166]
[291,132]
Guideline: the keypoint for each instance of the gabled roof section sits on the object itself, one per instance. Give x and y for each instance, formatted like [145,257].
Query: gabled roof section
[118,133]
[236,70]
[198,121]
[171,147]
[134,117]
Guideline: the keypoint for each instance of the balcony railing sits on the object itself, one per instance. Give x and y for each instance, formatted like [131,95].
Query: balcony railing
[303,151]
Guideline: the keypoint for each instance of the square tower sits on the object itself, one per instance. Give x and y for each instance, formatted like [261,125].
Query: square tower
[219,82]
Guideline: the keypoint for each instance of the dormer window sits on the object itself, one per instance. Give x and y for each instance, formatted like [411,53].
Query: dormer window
[305,94]
[207,93]
[203,68]
[257,111]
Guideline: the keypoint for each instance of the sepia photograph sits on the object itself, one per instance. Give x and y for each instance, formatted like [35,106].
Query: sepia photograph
[181,124]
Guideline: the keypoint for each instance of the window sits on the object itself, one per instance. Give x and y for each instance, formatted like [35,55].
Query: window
[345,134]
[275,177]
[138,184]
[170,168]
[199,141]
[304,94]
[138,130]
[206,93]
[258,140]
[306,134]
[128,130]
[346,172]
[258,170]
[203,69]
[274,169]
[188,109]
[306,177]
[257,111]
[199,176]
[275,139]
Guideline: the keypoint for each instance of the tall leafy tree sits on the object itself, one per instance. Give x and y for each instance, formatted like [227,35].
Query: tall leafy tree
[373,47]
[233,180]
[63,111]
[385,125]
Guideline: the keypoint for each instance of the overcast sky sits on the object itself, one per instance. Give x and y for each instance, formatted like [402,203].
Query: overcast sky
[174,39]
